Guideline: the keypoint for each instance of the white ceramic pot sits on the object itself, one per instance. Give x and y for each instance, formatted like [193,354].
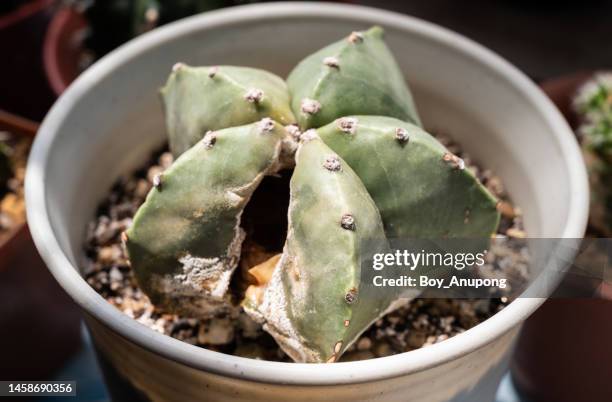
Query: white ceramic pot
[110,119]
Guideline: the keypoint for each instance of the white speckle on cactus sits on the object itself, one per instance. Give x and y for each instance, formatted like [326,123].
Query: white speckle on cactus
[332,62]
[266,125]
[202,281]
[401,135]
[310,106]
[351,296]
[337,347]
[157,181]
[453,160]
[332,163]
[348,222]
[355,37]
[347,323]
[309,135]
[213,71]
[209,140]
[254,95]
[177,66]
[294,131]
[347,124]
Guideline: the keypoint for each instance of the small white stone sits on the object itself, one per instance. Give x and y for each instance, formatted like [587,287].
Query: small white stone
[216,332]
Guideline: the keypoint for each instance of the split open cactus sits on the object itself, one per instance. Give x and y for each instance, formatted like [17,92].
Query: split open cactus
[364,171]
[185,241]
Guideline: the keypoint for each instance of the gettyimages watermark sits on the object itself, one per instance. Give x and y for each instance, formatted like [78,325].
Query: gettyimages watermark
[488,268]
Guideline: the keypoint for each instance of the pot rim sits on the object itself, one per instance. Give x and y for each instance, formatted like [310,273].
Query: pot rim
[277,372]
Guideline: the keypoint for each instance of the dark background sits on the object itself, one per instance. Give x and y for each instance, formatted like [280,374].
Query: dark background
[543,38]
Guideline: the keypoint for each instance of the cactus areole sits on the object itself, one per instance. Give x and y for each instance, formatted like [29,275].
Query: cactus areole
[363,169]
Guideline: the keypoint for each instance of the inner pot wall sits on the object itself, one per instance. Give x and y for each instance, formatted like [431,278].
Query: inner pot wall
[108,122]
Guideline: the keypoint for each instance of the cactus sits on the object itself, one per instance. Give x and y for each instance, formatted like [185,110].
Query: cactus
[593,104]
[357,75]
[185,240]
[314,304]
[358,182]
[421,190]
[199,99]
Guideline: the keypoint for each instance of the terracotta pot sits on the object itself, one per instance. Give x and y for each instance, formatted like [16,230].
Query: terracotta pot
[564,351]
[62,48]
[39,324]
[21,36]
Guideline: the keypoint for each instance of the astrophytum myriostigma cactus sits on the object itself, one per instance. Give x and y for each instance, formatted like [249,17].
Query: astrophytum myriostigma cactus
[199,99]
[314,305]
[186,238]
[356,75]
[363,172]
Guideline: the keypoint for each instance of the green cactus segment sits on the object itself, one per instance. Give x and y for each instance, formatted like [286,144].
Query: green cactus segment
[199,99]
[186,238]
[421,190]
[357,75]
[314,305]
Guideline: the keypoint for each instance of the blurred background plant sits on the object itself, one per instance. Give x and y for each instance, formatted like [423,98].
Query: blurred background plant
[131,18]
